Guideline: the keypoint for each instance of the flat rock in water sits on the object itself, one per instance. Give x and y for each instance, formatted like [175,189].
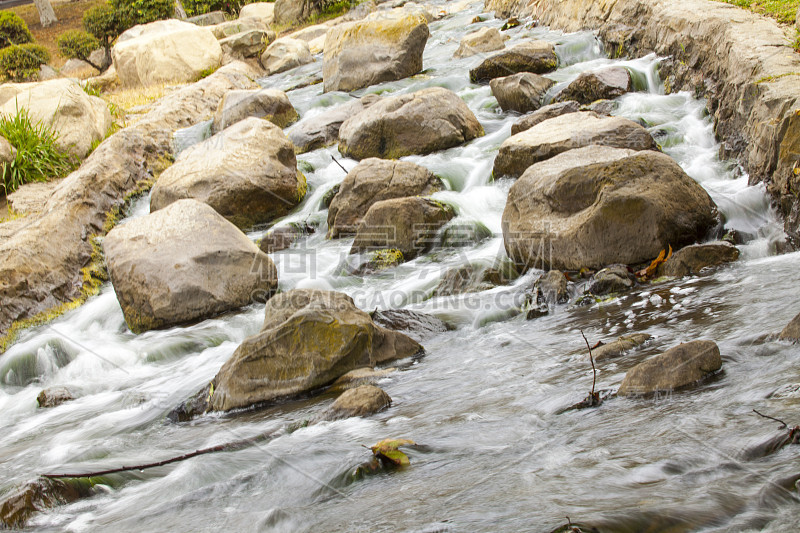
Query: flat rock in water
[567,132]
[360,401]
[308,340]
[371,181]
[408,225]
[538,57]
[323,129]
[184,263]
[544,113]
[596,206]
[693,258]
[394,127]
[54,396]
[247,173]
[270,104]
[619,346]
[416,325]
[678,367]
[481,41]
[605,84]
[612,279]
[361,376]
[521,92]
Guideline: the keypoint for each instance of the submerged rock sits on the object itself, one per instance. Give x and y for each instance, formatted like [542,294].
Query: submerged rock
[361,376]
[474,278]
[678,367]
[538,57]
[39,495]
[393,127]
[612,279]
[371,181]
[605,84]
[308,340]
[692,259]
[405,224]
[54,396]
[247,173]
[323,129]
[282,238]
[184,263]
[383,47]
[360,401]
[270,104]
[544,113]
[522,92]
[792,330]
[481,41]
[567,132]
[596,206]
[619,346]
[552,288]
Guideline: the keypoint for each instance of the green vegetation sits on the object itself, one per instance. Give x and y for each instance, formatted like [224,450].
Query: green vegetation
[129,13]
[199,7]
[38,157]
[781,10]
[78,44]
[13,30]
[21,62]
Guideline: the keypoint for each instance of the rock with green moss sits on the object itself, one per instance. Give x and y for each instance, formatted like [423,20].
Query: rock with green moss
[184,263]
[521,92]
[309,339]
[39,495]
[605,84]
[418,123]
[269,104]
[565,132]
[408,224]
[371,181]
[247,172]
[596,206]
[538,57]
[382,47]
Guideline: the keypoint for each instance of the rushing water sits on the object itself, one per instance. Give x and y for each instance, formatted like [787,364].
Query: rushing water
[485,400]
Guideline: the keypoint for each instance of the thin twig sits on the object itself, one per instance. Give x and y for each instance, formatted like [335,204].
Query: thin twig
[591,360]
[230,446]
[340,165]
[784,424]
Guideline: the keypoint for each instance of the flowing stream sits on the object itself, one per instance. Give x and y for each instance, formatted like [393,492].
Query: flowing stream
[486,399]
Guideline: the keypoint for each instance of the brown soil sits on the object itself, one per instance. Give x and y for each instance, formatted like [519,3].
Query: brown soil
[69,15]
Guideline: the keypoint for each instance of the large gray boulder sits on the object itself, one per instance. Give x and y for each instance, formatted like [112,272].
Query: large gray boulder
[293,12]
[284,54]
[544,113]
[678,367]
[323,129]
[382,47]
[605,84]
[521,92]
[247,173]
[371,181]
[480,42]
[309,338]
[236,27]
[407,225]
[596,206]
[418,123]
[246,45]
[270,104]
[184,263]
[565,132]
[538,57]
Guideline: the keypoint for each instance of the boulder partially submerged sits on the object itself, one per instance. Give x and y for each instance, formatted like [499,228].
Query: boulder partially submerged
[538,57]
[309,338]
[247,173]
[418,123]
[605,84]
[597,206]
[184,263]
[677,368]
[522,92]
[270,104]
[481,41]
[323,129]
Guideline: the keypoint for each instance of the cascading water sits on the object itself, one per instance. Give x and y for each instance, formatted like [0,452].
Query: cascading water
[486,400]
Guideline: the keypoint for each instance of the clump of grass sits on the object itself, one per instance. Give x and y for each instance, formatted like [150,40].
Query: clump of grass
[781,10]
[127,99]
[38,156]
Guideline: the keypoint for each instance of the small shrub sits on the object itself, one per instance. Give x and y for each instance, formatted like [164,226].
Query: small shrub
[13,30]
[133,12]
[104,24]
[77,44]
[22,62]
[38,157]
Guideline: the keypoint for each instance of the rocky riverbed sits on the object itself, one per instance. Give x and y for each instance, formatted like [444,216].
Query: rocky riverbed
[418,257]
